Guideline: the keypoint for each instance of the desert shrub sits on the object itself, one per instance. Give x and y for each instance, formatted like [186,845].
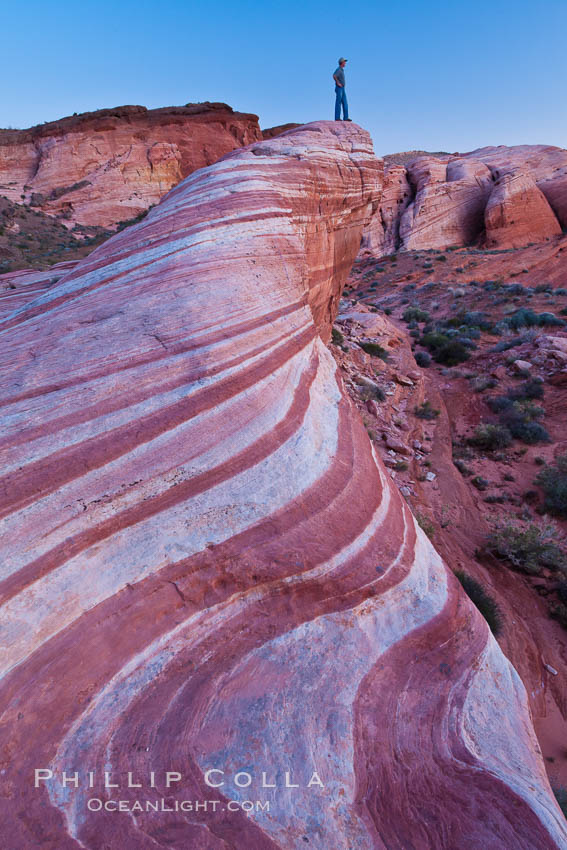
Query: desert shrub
[522,318]
[499,403]
[525,317]
[506,344]
[415,334]
[515,289]
[531,433]
[479,482]
[529,389]
[529,548]
[337,336]
[490,437]
[475,318]
[368,393]
[462,467]
[482,383]
[553,481]
[422,358]
[452,353]
[528,410]
[374,349]
[426,525]
[426,411]
[550,320]
[474,333]
[519,417]
[415,314]
[487,606]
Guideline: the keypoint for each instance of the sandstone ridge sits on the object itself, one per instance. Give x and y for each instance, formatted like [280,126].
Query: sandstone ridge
[206,564]
[497,197]
[103,167]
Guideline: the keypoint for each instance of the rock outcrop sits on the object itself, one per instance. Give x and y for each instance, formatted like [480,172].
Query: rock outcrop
[100,168]
[518,213]
[499,197]
[207,566]
[382,236]
[272,132]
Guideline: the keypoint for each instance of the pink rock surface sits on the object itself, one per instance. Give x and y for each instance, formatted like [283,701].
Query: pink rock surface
[517,213]
[382,236]
[103,167]
[205,564]
[19,287]
[502,197]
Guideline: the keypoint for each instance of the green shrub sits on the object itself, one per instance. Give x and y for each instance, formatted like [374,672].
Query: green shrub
[524,317]
[482,383]
[550,320]
[553,481]
[528,549]
[422,358]
[368,393]
[445,349]
[490,437]
[462,467]
[487,606]
[527,390]
[479,482]
[426,411]
[374,349]
[426,525]
[415,314]
[453,353]
[531,433]
[498,403]
[337,336]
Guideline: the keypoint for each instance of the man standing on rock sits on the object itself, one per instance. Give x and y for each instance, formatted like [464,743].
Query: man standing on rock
[340,93]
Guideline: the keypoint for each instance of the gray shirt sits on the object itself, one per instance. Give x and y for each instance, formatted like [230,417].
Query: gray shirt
[340,75]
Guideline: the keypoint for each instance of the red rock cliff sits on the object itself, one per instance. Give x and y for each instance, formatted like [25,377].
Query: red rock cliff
[103,167]
[499,197]
[206,566]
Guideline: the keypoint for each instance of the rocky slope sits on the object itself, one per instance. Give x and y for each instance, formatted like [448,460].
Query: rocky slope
[459,490]
[206,562]
[101,168]
[30,239]
[496,197]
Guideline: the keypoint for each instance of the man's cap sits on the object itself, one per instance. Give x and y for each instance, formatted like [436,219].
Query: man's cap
[342,59]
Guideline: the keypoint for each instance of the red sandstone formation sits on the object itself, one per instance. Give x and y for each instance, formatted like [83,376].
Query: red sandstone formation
[206,565]
[517,213]
[272,132]
[382,236]
[103,167]
[496,197]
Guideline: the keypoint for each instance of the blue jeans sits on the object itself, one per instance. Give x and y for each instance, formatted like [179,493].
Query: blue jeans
[340,99]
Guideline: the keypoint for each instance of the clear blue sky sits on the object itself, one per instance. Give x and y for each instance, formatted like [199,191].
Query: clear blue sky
[437,75]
